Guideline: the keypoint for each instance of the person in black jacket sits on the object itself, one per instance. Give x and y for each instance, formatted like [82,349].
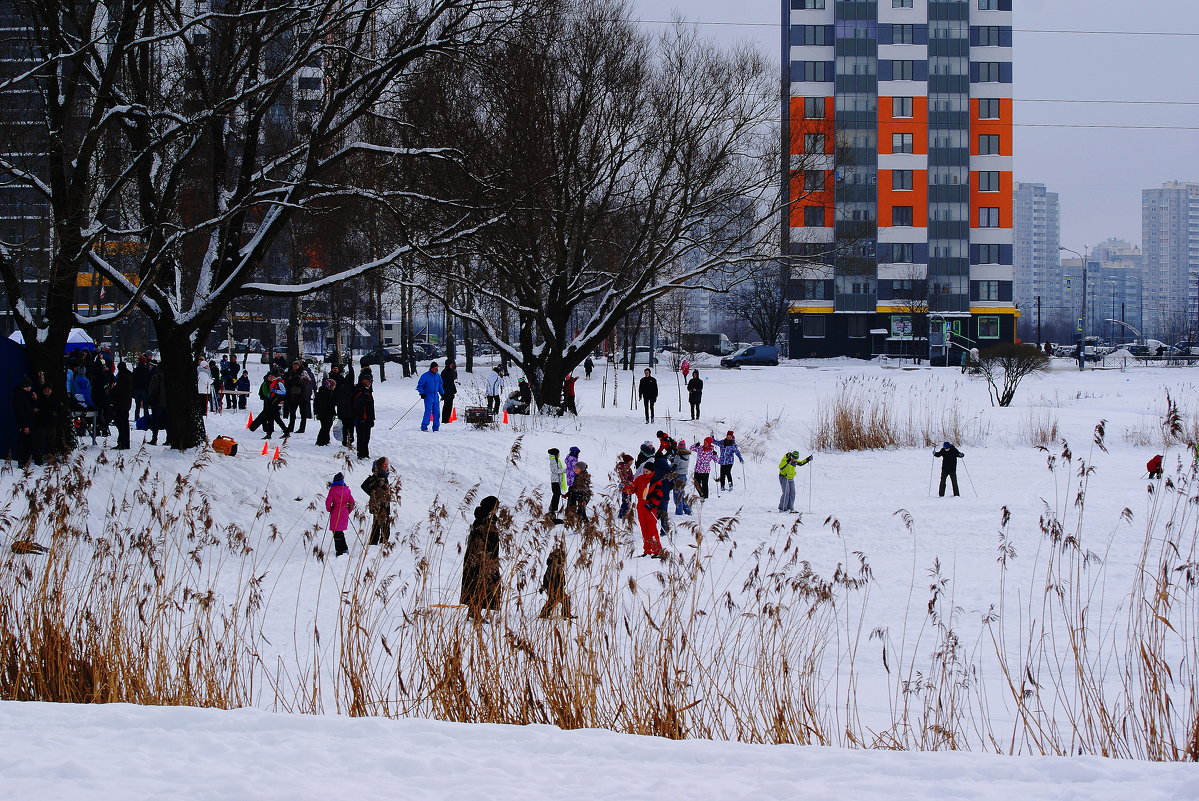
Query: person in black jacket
[364,415]
[695,394]
[647,390]
[120,399]
[325,407]
[23,413]
[344,395]
[949,456]
[449,383]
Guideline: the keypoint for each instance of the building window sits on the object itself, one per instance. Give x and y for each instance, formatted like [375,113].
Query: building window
[902,216]
[813,108]
[988,290]
[901,3]
[859,326]
[817,71]
[988,72]
[813,35]
[903,253]
[308,106]
[806,289]
[901,325]
[988,182]
[799,5]
[901,143]
[813,216]
[988,217]
[901,180]
[988,144]
[308,84]
[814,326]
[813,143]
[988,328]
[989,36]
[901,107]
[903,70]
[983,5]
[988,254]
[988,108]
[903,34]
[813,180]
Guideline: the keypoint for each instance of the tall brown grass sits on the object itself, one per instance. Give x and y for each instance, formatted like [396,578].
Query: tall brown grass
[149,600]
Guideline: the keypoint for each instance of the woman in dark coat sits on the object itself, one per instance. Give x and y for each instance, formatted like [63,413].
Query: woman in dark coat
[481,565]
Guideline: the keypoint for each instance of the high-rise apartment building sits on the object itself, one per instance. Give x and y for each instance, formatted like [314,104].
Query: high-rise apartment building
[1037,236]
[1170,243]
[899,124]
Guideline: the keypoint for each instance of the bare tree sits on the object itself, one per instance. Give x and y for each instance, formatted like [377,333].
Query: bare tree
[1005,366]
[761,299]
[626,166]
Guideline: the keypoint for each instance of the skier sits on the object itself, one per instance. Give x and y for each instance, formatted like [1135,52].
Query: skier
[695,394]
[624,477]
[588,366]
[495,388]
[680,461]
[787,467]
[377,487]
[272,393]
[703,466]
[430,386]
[949,456]
[647,390]
[339,504]
[481,563]
[579,495]
[553,584]
[568,394]
[364,414]
[558,482]
[1154,466]
[728,449]
[649,495]
[449,381]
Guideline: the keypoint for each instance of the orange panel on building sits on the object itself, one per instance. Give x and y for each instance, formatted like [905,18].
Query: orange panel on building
[800,198]
[1003,199]
[801,125]
[917,198]
[1001,127]
[917,124]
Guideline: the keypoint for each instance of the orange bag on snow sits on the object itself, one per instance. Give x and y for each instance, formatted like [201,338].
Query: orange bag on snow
[225,445]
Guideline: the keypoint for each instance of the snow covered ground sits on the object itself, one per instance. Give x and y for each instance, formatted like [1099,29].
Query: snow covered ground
[875,508]
[118,751]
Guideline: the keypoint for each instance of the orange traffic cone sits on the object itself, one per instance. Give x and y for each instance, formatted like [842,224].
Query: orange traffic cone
[276,456]
[505,417]
[250,420]
[454,415]
[264,447]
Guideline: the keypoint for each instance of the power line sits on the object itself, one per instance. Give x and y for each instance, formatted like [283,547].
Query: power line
[1057,31]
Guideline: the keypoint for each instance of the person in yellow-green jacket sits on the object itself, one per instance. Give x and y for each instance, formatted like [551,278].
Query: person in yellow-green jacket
[787,479]
[558,482]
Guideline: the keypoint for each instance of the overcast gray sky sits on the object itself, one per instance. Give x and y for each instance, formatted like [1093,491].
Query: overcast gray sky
[1099,172]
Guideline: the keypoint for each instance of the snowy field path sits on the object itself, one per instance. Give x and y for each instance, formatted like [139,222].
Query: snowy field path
[129,753]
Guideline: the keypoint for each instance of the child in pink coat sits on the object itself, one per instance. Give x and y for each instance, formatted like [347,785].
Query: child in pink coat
[339,504]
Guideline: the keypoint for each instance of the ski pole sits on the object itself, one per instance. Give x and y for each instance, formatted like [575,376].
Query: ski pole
[932,472]
[811,478]
[405,414]
[742,476]
[967,469]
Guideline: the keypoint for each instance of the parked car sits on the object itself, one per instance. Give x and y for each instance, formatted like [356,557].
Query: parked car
[390,355]
[753,354]
[1187,348]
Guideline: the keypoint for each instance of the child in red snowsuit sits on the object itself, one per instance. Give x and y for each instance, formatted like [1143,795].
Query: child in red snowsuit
[649,497]
[1154,466]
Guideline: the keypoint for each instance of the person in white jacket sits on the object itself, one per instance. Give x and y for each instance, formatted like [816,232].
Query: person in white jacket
[203,383]
[495,388]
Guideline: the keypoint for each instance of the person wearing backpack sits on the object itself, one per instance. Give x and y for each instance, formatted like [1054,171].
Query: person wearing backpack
[272,392]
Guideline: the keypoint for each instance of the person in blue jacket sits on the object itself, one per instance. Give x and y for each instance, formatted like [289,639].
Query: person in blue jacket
[83,389]
[430,388]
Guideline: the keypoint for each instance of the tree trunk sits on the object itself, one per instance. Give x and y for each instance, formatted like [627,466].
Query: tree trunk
[185,420]
[468,346]
[451,344]
[379,338]
[293,330]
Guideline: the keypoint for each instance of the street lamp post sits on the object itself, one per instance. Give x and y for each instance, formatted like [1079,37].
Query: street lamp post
[1082,333]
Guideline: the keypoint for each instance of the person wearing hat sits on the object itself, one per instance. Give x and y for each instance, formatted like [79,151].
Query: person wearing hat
[695,394]
[273,392]
[364,414]
[449,382]
[579,495]
[647,390]
[558,481]
[339,503]
[325,409]
[787,467]
[430,386]
[23,411]
[649,496]
[624,477]
[949,456]
[681,462]
[481,577]
[704,457]
[728,449]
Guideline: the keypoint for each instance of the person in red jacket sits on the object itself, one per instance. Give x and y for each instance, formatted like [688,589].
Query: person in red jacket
[568,394]
[1154,466]
[649,498]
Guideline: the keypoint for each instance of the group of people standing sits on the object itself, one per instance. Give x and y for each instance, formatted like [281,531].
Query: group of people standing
[339,503]
[288,394]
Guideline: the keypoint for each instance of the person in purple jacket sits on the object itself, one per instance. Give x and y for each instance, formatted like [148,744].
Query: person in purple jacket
[572,459]
[339,504]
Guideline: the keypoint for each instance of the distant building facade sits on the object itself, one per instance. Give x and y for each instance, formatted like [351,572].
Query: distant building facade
[1037,235]
[1170,240]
